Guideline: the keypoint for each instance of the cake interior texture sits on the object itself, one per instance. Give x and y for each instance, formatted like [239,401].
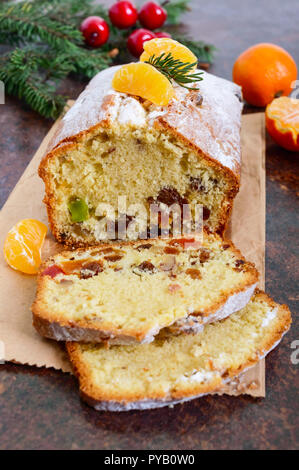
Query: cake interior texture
[183,365]
[141,163]
[137,288]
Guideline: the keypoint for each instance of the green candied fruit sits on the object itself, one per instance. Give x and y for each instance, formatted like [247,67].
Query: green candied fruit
[78,210]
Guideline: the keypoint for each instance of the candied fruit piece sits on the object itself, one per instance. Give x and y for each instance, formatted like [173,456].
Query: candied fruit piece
[78,210]
[194,273]
[147,267]
[52,271]
[91,269]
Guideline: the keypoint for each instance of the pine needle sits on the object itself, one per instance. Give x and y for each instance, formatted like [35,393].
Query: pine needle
[203,51]
[44,45]
[175,8]
[176,70]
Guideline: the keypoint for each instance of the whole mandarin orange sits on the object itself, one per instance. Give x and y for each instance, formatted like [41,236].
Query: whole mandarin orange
[264,71]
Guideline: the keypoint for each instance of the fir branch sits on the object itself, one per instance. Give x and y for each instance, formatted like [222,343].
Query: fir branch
[55,66]
[29,24]
[49,46]
[20,72]
[203,51]
[88,62]
[73,12]
[175,8]
[43,98]
[175,69]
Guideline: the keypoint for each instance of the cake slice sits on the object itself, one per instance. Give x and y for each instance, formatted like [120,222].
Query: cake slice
[127,292]
[112,144]
[178,368]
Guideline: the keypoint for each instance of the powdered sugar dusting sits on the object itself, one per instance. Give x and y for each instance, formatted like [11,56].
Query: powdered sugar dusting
[193,324]
[271,314]
[131,111]
[200,376]
[89,108]
[213,126]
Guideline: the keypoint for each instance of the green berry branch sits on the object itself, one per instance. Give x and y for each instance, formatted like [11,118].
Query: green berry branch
[43,41]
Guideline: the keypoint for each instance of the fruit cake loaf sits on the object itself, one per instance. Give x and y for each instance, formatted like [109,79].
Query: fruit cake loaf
[178,368]
[111,144]
[127,292]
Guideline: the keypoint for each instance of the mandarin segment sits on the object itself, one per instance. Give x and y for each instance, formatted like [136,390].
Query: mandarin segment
[23,243]
[159,46]
[282,122]
[145,81]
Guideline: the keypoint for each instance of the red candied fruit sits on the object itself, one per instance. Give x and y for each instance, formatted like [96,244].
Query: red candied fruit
[52,271]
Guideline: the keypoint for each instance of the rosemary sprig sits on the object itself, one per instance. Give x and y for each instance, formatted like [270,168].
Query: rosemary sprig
[175,69]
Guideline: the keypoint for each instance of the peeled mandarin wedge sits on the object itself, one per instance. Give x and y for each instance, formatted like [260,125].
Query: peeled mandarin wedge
[282,122]
[22,246]
[145,81]
[159,46]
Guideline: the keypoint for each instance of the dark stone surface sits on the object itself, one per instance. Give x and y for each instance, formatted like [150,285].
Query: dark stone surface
[40,408]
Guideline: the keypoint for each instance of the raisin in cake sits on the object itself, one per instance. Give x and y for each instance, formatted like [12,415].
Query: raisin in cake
[110,144]
[127,292]
[178,368]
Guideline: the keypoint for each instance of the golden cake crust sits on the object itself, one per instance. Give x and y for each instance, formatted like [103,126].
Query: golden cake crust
[115,400]
[211,130]
[57,327]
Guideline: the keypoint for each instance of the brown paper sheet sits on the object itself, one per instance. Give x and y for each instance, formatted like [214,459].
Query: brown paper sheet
[247,229]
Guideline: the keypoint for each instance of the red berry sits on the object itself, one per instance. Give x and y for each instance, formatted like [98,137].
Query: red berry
[152,15]
[95,31]
[162,34]
[136,40]
[123,14]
